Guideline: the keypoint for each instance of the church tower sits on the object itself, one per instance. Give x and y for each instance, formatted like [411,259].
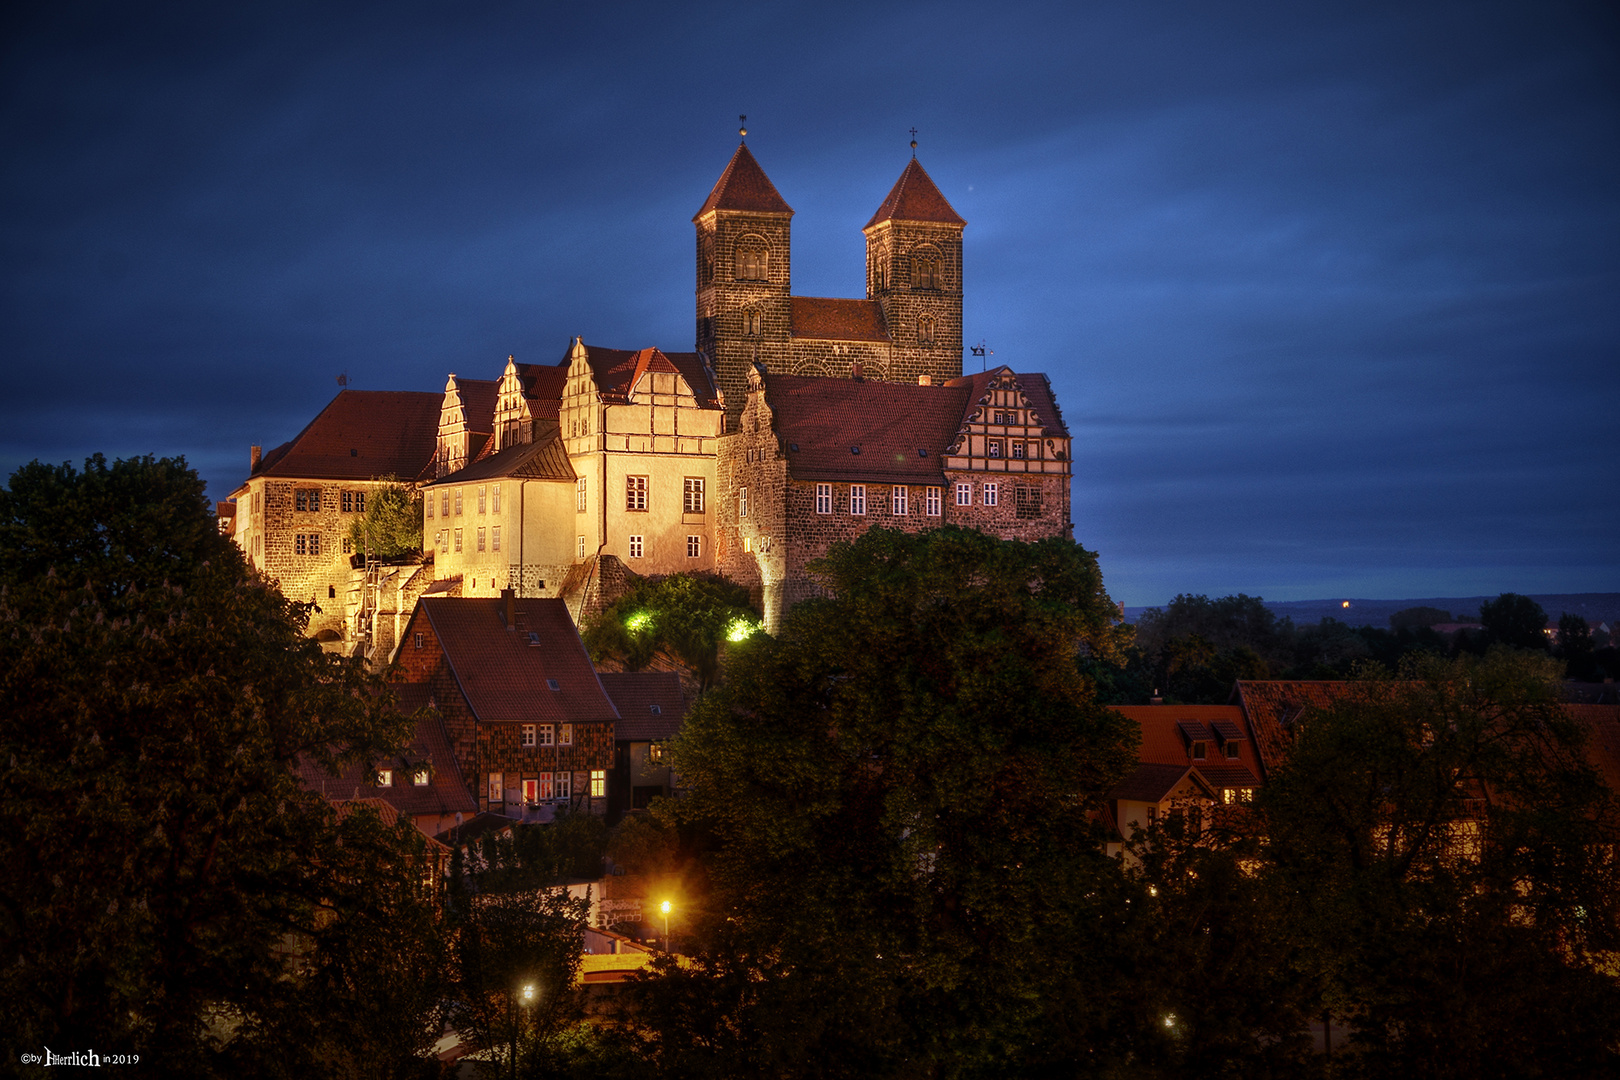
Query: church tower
[914,270]
[744,283]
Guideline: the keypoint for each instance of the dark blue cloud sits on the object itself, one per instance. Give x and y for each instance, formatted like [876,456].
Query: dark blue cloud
[1328,293]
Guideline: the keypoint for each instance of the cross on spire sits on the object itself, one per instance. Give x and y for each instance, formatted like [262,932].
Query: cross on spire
[913,142]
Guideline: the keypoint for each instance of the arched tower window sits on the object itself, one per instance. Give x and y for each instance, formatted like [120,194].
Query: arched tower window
[925,330]
[925,271]
[752,259]
[753,324]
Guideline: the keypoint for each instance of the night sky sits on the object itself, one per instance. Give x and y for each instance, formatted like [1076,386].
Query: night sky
[1330,295]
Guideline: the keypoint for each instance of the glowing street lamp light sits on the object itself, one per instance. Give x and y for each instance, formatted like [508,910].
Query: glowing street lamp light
[527,994]
[665,908]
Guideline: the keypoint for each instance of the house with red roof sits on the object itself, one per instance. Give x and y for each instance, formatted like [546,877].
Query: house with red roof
[651,706]
[528,722]
[819,460]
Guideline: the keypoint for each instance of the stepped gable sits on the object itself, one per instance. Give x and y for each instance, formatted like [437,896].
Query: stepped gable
[362,435]
[542,388]
[636,694]
[617,371]
[744,186]
[1035,387]
[505,674]
[915,198]
[824,319]
[901,430]
[546,458]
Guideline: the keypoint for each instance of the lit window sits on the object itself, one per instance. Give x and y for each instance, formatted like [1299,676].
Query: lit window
[458,539]
[857,499]
[531,791]
[480,538]
[748,544]
[964,494]
[990,494]
[495,538]
[579,495]
[931,501]
[528,734]
[482,498]
[385,777]
[742,502]
[635,493]
[823,498]
[635,547]
[420,777]
[545,787]
[598,784]
[565,734]
[694,547]
[1018,450]
[899,504]
[458,502]
[494,787]
[564,784]
[495,499]
[543,734]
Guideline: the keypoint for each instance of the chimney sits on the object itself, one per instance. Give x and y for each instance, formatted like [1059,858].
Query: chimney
[1156,700]
[925,380]
[509,599]
[255,455]
[855,370]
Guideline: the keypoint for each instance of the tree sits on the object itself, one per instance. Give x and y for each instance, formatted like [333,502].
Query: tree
[1514,620]
[391,527]
[1447,848]
[1417,618]
[686,616]
[1575,646]
[898,793]
[160,851]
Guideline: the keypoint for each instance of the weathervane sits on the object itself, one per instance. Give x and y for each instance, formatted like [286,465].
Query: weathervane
[742,130]
[979,350]
[914,144]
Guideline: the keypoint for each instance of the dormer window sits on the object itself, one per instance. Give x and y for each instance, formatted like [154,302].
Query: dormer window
[1198,750]
[385,777]
[1231,751]
[420,776]
[554,684]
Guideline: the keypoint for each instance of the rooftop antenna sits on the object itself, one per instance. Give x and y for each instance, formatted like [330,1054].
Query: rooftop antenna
[913,144]
[742,130]
[980,351]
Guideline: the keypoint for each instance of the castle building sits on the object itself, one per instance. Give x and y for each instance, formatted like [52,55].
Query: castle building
[796,422]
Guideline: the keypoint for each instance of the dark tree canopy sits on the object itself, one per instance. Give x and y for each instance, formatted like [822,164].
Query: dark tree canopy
[391,527]
[1514,620]
[1416,618]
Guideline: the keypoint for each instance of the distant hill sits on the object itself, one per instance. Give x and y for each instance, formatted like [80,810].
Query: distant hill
[1594,607]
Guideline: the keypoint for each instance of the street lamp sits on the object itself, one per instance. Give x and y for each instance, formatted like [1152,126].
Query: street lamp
[527,995]
[664,907]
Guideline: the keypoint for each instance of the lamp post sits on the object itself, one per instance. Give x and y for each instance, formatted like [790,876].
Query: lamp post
[527,997]
[664,907]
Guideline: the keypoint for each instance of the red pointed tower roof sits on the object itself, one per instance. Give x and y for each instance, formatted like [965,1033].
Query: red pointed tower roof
[744,186]
[915,198]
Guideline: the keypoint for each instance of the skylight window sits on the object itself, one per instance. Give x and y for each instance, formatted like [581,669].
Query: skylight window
[554,684]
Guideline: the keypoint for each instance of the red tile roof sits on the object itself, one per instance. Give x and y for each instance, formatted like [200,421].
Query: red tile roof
[542,388]
[915,198]
[838,320]
[744,186]
[617,371]
[1150,782]
[504,677]
[1273,707]
[901,430]
[428,745]
[477,403]
[546,458]
[362,435]
[1165,737]
[636,694]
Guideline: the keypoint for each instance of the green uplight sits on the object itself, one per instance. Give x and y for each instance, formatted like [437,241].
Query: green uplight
[740,630]
[639,620]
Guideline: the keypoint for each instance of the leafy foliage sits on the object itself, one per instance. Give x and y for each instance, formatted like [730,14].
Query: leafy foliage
[391,527]
[1416,618]
[687,616]
[1516,621]
[897,791]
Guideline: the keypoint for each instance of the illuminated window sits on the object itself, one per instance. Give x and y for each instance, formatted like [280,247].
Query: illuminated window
[565,734]
[579,495]
[857,499]
[420,777]
[748,544]
[635,493]
[694,546]
[531,791]
[931,501]
[494,787]
[991,493]
[635,547]
[385,777]
[823,498]
[900,502]
[598,784]
[964,494]
[693,498]
[528,734]
[545,787]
